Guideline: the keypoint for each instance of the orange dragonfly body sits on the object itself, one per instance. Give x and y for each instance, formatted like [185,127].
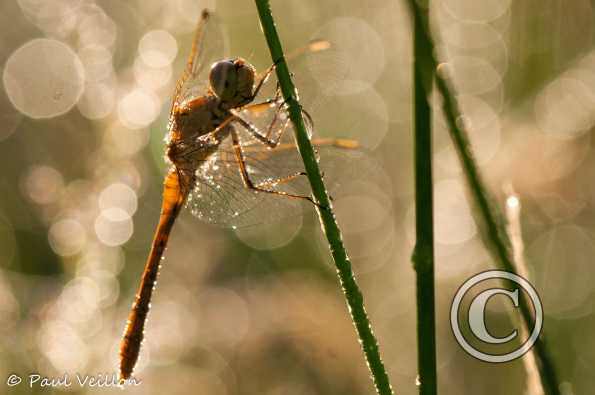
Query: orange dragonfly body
[218,180]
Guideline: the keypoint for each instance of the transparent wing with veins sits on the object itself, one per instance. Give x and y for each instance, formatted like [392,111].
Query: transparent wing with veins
[209,45]
[220,195]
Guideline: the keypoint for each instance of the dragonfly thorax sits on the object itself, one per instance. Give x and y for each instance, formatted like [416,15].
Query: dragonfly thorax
[231,86]
[196,117]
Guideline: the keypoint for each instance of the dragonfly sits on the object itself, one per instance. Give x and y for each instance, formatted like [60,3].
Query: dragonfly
[229,160]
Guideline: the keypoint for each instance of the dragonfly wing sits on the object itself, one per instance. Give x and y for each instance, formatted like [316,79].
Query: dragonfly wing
[210,44]
[220,196]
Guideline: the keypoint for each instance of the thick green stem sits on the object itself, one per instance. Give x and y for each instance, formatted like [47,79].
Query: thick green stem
[353,295]
[423,255]
[497,237]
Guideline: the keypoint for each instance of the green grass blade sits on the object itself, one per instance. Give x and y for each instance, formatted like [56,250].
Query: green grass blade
[423,255]
[495,235]
[352,293]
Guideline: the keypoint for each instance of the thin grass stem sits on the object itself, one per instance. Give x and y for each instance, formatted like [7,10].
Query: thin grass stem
[495,235]
[353,295]
[423,254]
[512,210]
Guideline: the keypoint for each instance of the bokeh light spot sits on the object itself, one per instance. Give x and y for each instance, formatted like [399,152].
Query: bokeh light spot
[336,65]
[151,77]
[565,108]
[44,78]
[268,236]
[113,226]
[362,116]
[158,48]
[138,108]
[454,222]
[98,101]
[67,237]
[565,279]
[473,75]
[120,196]
[476,11]
[44,184]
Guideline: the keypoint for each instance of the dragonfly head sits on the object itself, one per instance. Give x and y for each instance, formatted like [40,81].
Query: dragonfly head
[232,81]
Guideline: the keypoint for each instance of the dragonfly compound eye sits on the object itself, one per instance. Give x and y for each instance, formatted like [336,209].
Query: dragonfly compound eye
[245,72]
[224,79]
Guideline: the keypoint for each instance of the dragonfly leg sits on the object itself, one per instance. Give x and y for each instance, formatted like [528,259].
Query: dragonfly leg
[258,186]
[276,119]
[260,82]
[265,103]
[260,136]
[282,180]
[265,138]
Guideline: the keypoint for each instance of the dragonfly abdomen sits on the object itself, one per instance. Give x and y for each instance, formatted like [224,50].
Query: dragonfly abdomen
[174,197]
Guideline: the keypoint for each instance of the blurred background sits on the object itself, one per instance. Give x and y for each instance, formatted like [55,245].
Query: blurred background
[86,89]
